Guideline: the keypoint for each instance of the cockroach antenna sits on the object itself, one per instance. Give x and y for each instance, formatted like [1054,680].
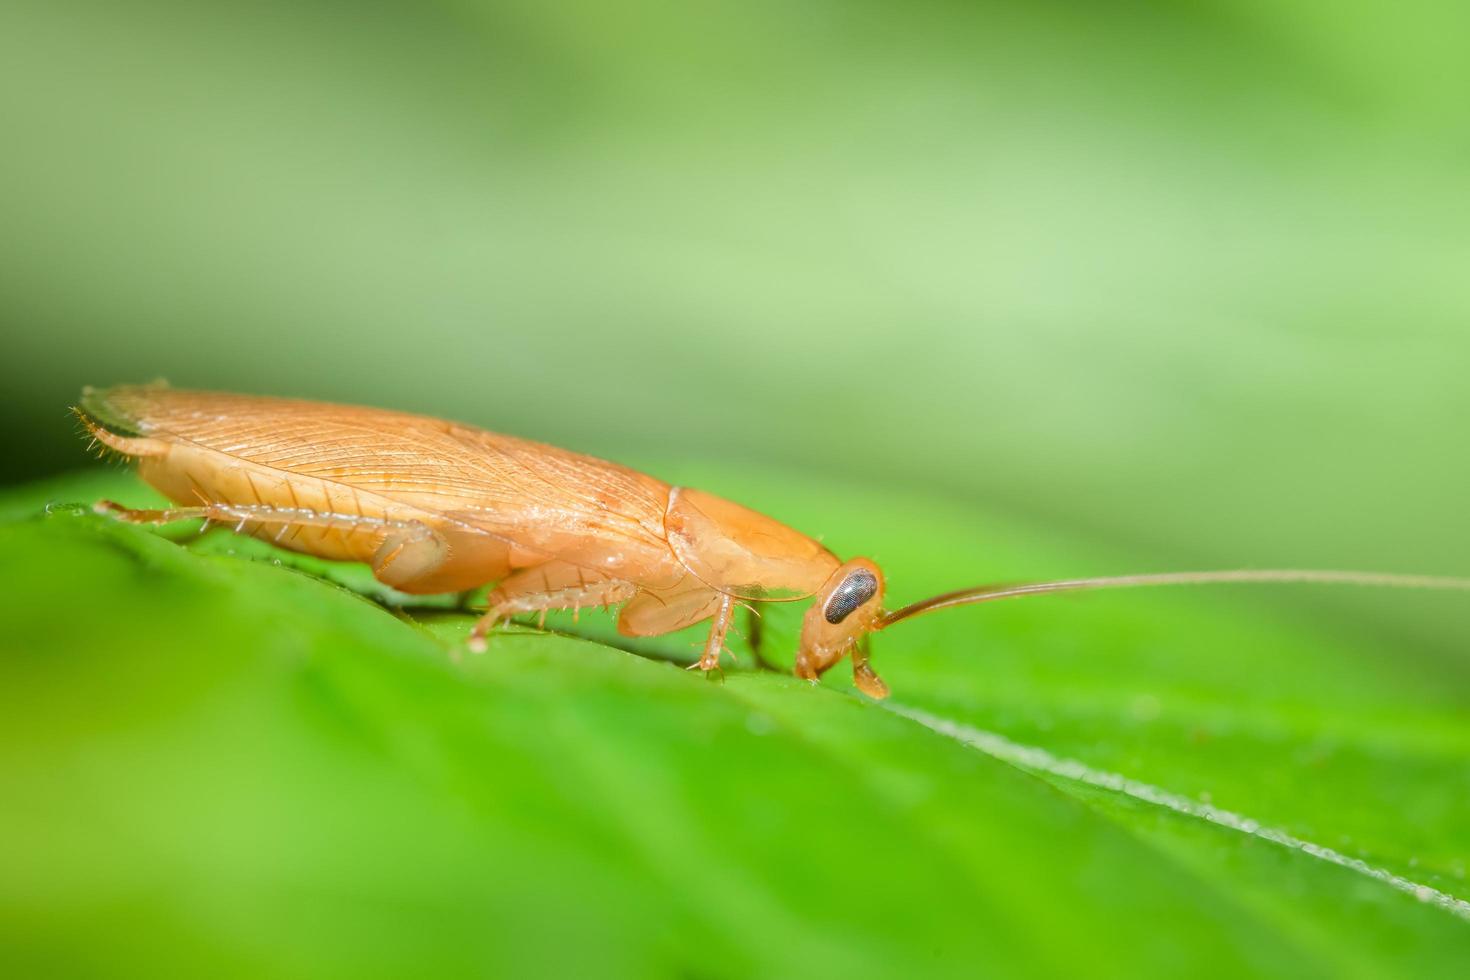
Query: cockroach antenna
[989,593]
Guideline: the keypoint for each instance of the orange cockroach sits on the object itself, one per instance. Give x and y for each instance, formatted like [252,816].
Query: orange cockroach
[437,506]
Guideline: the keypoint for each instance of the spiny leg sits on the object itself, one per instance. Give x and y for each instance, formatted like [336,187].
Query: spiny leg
[406,551]
[397,534]
[553,585]
[718,628]
[169,515]
[133,515]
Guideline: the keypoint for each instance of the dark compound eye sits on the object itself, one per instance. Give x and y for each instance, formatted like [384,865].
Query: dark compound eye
[855,590]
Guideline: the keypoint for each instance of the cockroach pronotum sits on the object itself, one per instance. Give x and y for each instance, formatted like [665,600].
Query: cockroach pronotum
[435,506]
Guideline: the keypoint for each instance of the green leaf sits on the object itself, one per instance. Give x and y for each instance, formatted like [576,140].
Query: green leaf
[221,759]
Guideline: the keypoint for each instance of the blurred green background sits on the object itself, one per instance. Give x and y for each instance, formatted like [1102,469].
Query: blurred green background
[1185,283]
[1191,277]
[1188,278]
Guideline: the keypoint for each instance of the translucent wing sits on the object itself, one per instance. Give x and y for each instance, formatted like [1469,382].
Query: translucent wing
[542,499]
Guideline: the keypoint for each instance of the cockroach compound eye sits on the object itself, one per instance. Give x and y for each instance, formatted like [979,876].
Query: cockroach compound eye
[435,506]
[855,590]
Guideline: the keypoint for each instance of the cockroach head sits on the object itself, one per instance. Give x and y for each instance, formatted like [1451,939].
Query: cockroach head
[847,607]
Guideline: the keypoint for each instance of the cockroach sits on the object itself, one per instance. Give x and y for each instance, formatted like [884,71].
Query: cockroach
[435,506]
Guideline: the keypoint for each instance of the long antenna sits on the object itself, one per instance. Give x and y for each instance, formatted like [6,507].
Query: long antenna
[989,593]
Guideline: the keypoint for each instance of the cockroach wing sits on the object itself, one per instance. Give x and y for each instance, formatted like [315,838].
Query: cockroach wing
[544,503]
[741,552]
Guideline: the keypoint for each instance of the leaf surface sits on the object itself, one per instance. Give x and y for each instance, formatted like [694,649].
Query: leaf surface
[222,755]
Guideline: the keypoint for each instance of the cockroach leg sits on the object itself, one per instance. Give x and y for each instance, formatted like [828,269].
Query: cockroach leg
[715,645]
[755,633]
[137,516]
[409,551]
[552,585]
[862,675]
